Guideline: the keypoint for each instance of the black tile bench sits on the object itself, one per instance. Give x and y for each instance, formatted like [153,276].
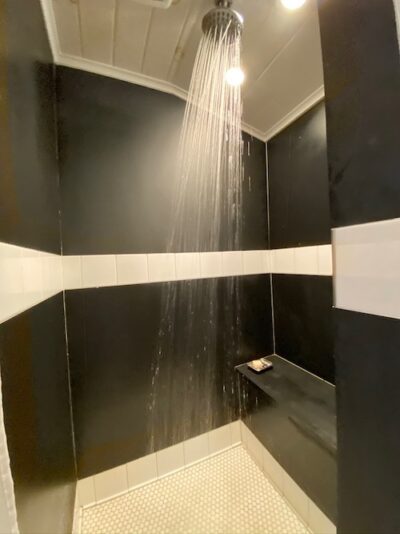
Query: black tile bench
[293,414]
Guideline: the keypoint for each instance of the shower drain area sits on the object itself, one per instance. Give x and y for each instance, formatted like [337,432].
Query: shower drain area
[227,493]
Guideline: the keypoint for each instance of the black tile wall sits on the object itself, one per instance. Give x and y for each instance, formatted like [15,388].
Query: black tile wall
[254,219]
[298,183]
[113,335]
[118,146]
[303,322]
[37,417]
[29,194]
[367,370]
[362,83]
[362,86]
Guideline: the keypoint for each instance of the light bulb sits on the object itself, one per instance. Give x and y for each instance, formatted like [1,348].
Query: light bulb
[234,76]
[293,4]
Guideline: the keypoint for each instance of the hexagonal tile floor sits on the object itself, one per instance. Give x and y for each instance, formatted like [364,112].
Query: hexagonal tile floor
[225,494]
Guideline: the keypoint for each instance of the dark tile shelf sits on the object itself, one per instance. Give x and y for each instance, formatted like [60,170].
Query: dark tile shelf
[308,400]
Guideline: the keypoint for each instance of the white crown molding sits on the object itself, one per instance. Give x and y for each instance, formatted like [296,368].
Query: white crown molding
[254,132]
[50,23]
[295,113]
[120,74]
[397,12]
[140,79]
[160,85]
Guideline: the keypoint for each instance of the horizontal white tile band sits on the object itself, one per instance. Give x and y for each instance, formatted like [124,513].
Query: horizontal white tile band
[367,268]
[110,270]
[28,276]
[108,484]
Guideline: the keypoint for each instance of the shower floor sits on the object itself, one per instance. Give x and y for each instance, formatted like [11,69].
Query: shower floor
[226,494]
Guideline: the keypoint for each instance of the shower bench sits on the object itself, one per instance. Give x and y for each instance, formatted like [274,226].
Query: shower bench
[293,414]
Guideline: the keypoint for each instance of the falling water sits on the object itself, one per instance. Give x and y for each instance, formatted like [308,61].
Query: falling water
[199,332]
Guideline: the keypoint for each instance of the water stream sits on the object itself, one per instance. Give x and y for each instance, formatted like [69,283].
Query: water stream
[192,380]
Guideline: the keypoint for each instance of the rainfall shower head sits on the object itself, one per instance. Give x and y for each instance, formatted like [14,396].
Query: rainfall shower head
[222,17]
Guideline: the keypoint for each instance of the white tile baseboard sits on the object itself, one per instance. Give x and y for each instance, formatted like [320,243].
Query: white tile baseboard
[76,527]
[117,481]
[297,499]
[148,469]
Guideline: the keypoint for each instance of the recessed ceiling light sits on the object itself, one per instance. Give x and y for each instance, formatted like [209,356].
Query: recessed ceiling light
[293,4]
[234,76]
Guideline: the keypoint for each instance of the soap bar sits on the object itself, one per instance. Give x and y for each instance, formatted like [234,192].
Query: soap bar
[260,365]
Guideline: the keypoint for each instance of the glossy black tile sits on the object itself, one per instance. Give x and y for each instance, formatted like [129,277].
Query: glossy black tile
[362,86]
[37,417]
[118,145]
[113,336]
[298,183]
[29,194]
[367,371]
[303,322]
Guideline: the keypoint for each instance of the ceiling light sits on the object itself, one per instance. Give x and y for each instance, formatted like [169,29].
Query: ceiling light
[234,76]
[293,4]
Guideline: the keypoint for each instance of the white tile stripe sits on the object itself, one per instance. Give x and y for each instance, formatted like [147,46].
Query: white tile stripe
[110,270]
[28,276]
[367,268]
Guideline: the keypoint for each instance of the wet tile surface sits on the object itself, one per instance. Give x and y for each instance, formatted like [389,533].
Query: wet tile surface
[227,493]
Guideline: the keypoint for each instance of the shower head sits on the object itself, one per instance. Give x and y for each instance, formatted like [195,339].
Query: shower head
[222,17]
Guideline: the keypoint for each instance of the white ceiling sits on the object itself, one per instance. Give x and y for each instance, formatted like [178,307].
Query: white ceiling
[156,47]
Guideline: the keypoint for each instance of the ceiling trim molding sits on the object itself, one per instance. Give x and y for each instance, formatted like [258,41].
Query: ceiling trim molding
[51,27]
[159,85]
[140,79]
[310,101]
[254,132]
[118,73]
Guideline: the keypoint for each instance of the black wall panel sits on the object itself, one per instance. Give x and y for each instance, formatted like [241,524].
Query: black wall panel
[362,87]
[113,335]
[254,218]
[367,370]
[303,322]
[298,183]
[37,417]
[29,195]
[118,145]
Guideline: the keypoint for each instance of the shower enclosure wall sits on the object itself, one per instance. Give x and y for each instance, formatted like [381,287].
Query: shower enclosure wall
[117,142]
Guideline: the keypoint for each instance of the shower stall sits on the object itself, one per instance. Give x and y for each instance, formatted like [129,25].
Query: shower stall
[187,187]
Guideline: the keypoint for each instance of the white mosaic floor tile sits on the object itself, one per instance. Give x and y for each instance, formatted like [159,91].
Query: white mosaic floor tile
[225,494]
